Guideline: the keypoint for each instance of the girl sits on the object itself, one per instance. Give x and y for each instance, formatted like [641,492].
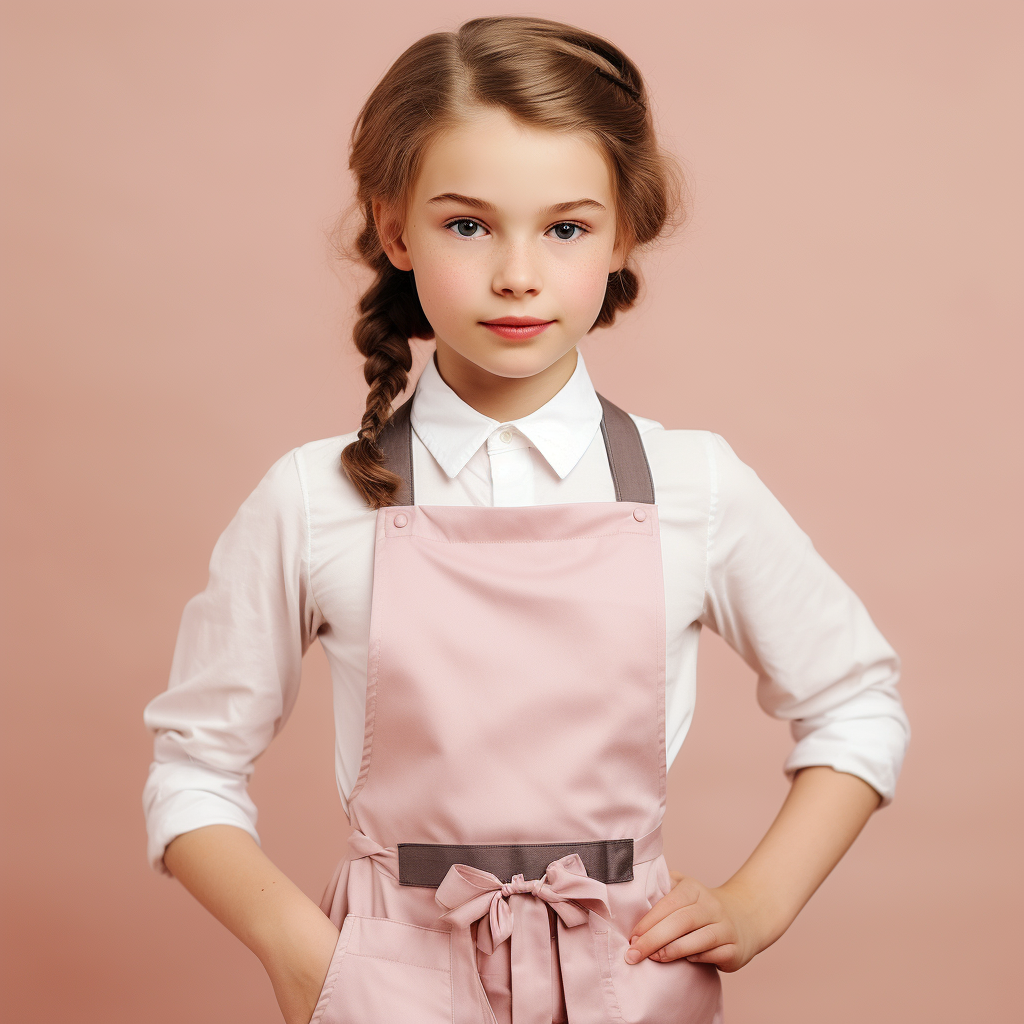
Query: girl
[509,576]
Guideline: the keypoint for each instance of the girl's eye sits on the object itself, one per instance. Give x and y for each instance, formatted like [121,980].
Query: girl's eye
[464,227]
[564,231]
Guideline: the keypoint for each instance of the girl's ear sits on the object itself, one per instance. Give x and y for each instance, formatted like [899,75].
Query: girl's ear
[390,236]
[620,254]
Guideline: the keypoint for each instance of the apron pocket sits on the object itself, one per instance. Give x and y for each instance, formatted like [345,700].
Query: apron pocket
[650,991]
[679,991]
[386,970]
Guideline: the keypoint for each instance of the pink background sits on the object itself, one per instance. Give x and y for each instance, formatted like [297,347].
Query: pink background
[843,307]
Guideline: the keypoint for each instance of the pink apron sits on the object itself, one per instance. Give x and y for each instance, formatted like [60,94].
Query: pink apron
[508,808]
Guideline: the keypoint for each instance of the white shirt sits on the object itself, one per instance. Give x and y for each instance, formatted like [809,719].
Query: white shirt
[296,564]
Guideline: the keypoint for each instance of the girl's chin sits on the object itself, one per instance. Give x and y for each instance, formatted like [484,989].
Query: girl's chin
[509,359]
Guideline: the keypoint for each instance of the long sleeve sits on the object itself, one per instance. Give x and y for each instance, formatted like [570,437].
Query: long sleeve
[821,662]
[235,673]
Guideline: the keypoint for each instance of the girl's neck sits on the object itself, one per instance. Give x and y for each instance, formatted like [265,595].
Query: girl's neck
[502,398]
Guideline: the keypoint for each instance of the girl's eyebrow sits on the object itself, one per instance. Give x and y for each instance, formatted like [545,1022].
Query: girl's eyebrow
[482,204]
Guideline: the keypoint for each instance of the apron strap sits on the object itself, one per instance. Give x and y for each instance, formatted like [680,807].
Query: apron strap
[627,460]
[395,440]
[631,472]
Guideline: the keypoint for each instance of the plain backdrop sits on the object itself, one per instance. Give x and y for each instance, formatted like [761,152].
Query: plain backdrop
[843,306]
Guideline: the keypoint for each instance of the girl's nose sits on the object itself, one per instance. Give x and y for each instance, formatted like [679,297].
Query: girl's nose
[517,273]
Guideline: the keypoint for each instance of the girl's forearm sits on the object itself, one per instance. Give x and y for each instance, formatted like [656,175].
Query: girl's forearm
[228,873]
[237,882]
[822,815]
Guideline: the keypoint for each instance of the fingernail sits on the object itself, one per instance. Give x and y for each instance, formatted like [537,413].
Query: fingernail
[633,956]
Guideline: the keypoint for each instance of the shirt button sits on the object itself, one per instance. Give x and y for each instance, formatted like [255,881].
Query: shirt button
[506,436]
[401,520]
[638,514]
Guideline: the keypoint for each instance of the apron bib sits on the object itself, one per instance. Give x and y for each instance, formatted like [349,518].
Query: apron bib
[508,808]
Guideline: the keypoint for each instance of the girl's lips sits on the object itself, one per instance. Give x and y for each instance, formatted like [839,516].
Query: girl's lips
[517,328]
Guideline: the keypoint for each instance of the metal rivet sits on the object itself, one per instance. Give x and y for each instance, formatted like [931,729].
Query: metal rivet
[639,515]
[401,520]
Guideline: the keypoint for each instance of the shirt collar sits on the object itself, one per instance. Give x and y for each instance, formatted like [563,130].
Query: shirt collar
[561,429]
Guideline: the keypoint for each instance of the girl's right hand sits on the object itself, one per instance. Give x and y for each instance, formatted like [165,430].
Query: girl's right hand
[299,967]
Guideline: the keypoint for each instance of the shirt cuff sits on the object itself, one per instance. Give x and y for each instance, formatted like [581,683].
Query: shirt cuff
[179,798]
[870,748]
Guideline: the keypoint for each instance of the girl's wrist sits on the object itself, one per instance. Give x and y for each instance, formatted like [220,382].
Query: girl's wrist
[296,950]
[822,814]
[757,910]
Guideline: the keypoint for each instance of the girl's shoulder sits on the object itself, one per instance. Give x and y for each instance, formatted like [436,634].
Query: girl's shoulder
[690,463]
[324,483]
[306,478]
[323,454]
[675,451]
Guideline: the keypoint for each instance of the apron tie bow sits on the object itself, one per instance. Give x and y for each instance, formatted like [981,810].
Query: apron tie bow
[515,911]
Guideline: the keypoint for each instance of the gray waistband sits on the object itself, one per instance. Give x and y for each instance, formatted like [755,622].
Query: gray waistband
[608,860]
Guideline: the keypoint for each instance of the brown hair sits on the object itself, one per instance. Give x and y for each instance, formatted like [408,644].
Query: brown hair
[543,73]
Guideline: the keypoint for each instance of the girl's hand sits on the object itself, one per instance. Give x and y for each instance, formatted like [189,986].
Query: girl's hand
[730,925]
[708,926]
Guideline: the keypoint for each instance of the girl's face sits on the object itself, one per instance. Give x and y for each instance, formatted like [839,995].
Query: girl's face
[509,222]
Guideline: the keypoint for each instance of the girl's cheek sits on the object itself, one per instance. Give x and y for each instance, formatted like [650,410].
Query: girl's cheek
[444,287]
[581,288]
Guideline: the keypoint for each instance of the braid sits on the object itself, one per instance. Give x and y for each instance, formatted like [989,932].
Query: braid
[391,315]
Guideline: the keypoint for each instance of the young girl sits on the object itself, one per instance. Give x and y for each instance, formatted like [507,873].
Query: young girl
[509,576]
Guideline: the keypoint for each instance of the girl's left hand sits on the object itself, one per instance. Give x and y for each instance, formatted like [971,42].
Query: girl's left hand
[708,926]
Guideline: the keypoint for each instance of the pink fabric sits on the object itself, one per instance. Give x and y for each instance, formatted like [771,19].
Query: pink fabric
[469,895]
[516,695]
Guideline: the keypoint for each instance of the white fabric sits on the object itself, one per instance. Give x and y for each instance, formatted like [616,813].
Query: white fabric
[296,563]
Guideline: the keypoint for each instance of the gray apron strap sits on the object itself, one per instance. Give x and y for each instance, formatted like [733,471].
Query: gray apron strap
[631,472]
[395,440]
